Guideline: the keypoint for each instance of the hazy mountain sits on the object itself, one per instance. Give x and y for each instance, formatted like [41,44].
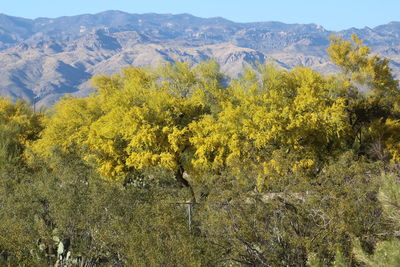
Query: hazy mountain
[45,58]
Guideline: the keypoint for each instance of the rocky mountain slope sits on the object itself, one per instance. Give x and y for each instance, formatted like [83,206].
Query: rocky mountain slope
[45,58]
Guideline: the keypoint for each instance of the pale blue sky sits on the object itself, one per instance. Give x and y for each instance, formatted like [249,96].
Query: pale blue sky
[331,14]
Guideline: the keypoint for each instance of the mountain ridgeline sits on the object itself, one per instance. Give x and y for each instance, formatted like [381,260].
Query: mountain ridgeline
[43,59]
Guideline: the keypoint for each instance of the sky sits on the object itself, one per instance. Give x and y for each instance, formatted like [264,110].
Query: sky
[331,14]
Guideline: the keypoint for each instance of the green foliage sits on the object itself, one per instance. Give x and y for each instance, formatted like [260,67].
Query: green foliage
[340,260]
[301,217]
[68,211]
[386,253]
[389,196]
[314,261]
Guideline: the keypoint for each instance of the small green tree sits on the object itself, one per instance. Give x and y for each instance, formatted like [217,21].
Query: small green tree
[386,253]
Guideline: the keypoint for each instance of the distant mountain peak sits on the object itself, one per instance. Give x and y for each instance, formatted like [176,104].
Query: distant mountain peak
[48,57]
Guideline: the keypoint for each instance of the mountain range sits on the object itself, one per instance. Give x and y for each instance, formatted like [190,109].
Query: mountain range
[44,58]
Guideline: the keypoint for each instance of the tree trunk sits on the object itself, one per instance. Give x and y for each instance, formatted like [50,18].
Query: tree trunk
[183,182]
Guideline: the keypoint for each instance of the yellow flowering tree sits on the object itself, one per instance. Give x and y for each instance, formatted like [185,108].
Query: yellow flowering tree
[373,99]
[187,120]
[137,119]
[296,111]
[19,126]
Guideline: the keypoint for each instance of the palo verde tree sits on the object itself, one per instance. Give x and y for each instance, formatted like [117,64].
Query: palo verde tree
[136,120]
[292,112]
[19,126]
[372,96]
[185,120]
